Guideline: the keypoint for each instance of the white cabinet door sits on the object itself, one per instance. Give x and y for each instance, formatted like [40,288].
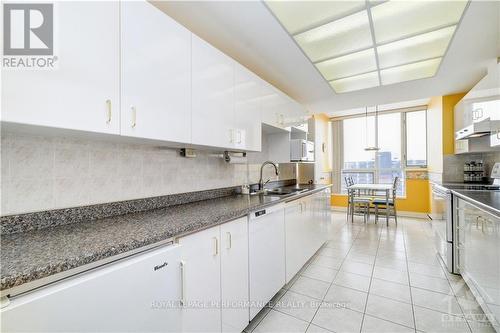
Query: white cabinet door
[247,109]
[132,295]
[201,281]
[83,91]
[271,106]
[156,74]
[266,237]
[212,96]
[294,238]
[234,275]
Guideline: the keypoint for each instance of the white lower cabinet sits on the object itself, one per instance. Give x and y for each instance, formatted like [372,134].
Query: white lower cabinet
[478,234]
[266,237]
[305,226]
[136,294]
[234,275]
[215,271]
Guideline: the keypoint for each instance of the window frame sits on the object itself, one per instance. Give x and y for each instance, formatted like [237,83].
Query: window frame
[404,162]
[405,142]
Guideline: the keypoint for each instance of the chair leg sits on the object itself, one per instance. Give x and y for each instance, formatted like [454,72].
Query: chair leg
[376,214]
[395,215]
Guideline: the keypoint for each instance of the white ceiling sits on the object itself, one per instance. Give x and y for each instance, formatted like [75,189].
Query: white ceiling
[248,32]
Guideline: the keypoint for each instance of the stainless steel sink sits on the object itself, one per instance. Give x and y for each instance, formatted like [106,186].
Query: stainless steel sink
[284,191]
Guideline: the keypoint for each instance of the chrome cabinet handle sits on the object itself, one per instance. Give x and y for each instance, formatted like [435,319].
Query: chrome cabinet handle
[239,136]
[134,116]
[215,244]
[231,135]
[228,240]
[108,111]
[183,283]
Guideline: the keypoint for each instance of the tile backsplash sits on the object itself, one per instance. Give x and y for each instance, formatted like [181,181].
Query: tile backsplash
[41,173]
[453,165]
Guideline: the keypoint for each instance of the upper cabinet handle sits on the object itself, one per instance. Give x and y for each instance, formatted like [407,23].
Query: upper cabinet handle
[108,111]
[134,116]
[231,135]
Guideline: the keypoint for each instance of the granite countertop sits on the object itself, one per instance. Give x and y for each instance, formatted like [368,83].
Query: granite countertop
[488,200]
[29,256]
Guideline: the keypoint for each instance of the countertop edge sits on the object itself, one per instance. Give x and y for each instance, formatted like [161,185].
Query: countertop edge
[14,285]
[475,202]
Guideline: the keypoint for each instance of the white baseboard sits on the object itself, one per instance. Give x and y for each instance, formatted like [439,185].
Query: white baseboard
[400,213]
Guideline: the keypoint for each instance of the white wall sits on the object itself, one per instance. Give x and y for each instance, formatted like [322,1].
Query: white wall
[41,173]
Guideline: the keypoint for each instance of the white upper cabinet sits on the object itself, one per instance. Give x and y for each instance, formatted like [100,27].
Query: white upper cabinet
[156,74]
[272,106]
[212,96]
[82,92]
[247,109]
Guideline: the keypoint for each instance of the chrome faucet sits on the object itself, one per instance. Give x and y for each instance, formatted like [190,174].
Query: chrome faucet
[261,183]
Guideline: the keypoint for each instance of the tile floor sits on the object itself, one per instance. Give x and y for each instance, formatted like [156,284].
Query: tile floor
[370,278]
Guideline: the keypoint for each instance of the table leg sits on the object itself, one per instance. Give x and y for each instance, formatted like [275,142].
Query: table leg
[387,207]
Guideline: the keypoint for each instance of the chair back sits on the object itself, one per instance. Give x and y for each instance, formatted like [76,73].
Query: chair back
[395,187]
[348,181]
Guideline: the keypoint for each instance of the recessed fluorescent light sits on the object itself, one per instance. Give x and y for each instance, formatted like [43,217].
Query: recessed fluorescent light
[420,47]
[418,70]
[358,82]
[297,16]
[348,65]
[397,19]
[339,37]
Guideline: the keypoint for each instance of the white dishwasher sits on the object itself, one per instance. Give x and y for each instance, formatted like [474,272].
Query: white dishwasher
[135,294]
[266,239]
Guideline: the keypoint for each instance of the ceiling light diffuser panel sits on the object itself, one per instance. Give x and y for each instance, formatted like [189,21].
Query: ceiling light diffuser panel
[394,20]
[336,38]
[348,65]
[418,70]
[357,44]
[358,82]
[299,16]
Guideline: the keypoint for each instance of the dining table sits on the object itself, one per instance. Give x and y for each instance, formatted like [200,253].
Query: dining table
[373,188]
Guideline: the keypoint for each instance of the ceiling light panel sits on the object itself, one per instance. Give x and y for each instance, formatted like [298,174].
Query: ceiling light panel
[418,70]
[420,47]
[339,37]
[348,65]
[298,16]
[358,82]
[394,20]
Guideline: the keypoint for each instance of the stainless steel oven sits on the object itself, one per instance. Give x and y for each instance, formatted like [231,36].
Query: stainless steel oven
[442,225]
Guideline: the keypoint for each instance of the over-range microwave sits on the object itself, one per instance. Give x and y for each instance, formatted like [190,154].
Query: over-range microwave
[301,150]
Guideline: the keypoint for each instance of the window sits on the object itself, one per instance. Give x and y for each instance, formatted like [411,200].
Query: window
[416,139]
[389,134]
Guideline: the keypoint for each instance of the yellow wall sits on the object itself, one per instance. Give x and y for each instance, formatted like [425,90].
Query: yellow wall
[449,103]
[417,197]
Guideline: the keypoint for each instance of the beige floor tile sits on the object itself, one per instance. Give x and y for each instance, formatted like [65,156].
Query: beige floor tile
[388,309]
[329,262]
[320,273]
[357,268]
[433,321]
[393,290]
[346,297]
[390,274]
[276,321]
[430,283]
[316,329]
[376,325]
[298,305]
[436,301]
[429,270]
[337,319]
[310,287]
[354,281]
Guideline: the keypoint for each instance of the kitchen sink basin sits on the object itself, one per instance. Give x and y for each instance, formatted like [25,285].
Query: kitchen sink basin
[284,191]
